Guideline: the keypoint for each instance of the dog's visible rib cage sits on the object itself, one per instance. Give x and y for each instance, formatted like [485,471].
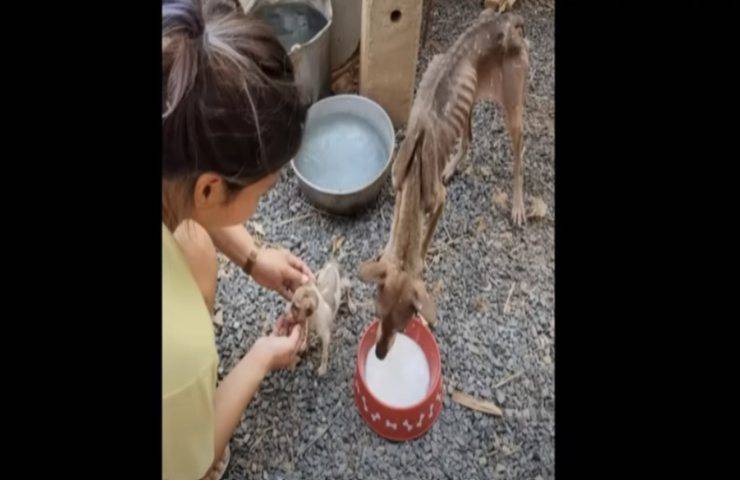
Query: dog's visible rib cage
[489,60]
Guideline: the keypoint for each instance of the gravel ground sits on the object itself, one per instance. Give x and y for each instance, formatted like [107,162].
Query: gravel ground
[303,426]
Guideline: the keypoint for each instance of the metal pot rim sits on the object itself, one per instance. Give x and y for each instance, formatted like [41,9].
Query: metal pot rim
[298,46]
[382,170]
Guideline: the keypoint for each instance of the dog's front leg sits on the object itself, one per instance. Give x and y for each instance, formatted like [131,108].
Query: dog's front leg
[325,336]
[432,223]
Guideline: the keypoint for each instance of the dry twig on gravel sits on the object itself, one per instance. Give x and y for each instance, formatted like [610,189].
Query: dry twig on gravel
[475,404]
[508,298]
[508,379]
[321,433]
[294,219]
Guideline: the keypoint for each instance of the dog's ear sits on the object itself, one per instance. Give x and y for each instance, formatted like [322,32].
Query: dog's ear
[373,271]
[424,304]
[312,302]
[313,298]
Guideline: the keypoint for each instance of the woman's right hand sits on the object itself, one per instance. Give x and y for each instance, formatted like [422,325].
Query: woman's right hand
[275,352]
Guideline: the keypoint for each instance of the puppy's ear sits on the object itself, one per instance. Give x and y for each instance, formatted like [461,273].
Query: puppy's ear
[373,271]
[314,298]
[424,304]
[308,300]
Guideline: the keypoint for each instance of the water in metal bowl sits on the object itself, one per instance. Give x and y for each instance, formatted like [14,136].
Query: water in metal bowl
[341,152]
[346,153]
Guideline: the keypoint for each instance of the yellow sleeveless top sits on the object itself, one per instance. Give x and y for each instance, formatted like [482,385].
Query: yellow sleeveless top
[189,363]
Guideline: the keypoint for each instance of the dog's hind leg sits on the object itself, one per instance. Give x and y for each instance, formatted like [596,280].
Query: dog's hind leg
[514,77]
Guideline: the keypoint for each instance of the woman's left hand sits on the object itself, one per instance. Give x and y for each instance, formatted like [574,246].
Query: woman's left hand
[275,352]
[280,270]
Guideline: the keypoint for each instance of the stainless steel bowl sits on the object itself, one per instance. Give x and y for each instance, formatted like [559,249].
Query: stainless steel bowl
[350,201]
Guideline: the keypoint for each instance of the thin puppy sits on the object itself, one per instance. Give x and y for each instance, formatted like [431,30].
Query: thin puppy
[315,306]
[489,61]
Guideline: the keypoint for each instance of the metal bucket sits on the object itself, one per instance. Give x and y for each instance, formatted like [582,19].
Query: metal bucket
[311,59]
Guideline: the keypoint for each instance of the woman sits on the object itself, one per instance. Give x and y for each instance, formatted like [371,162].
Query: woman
[232,118]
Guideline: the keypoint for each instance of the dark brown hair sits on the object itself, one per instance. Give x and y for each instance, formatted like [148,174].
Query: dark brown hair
[230,105]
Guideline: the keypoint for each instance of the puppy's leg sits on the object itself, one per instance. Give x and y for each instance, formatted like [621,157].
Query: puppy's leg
[432,224]
[325,335]
[462,153]
[514,76]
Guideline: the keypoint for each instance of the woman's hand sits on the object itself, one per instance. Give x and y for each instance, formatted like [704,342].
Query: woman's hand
[236,390]
[280,270]
[275,352]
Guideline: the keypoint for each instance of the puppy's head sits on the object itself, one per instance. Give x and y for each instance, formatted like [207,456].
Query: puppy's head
[304,304]
[400,297]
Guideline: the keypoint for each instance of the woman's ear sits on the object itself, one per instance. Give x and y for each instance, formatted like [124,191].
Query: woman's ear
[209,191]
[373,271]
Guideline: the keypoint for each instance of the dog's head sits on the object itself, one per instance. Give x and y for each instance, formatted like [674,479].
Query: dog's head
[400,297]
[504,33]
[304,304]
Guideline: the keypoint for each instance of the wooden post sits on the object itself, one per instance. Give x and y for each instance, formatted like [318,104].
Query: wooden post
[389,51]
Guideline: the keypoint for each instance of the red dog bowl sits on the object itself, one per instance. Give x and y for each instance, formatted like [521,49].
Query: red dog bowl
[396,423]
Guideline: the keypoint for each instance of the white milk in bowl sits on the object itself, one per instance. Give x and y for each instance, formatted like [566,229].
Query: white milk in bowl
[402,378]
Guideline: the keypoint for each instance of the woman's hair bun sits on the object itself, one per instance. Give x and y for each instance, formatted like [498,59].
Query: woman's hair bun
[230,104]
[182,16]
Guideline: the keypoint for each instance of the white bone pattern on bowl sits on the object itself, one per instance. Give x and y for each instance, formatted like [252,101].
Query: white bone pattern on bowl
[421,417]
[375,416]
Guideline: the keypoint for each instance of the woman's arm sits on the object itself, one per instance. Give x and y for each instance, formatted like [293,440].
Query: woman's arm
[276,269]
[238,387]
[235,242]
